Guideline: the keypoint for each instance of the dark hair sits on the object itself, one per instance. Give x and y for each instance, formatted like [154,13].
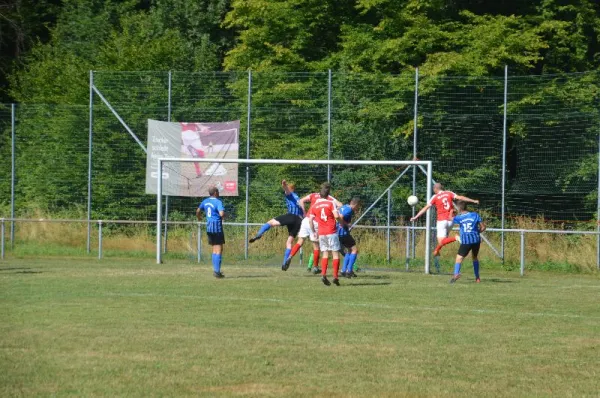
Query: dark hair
[324,192]
[461,205]
[212,191]
[355,200]
[326,185]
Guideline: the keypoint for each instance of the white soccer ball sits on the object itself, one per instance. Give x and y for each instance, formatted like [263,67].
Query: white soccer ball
[412,200]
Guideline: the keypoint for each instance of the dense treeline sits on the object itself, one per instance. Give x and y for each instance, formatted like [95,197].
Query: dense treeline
[371,45]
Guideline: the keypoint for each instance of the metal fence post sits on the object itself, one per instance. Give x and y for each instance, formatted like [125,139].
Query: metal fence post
[199,243]
[248,167]
[598,211]
[166,233]
[2,238]
[99,239]
[504,138]
[407,247]
[329,124]
[389,219]
[522,252]
[12,173]
[89,192]
[415,130]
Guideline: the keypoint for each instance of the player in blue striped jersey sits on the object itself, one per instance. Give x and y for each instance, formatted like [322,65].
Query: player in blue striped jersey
[347,211]
[214,210]
[292,220]
[471,226]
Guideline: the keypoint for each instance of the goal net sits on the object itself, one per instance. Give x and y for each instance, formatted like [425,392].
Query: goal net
[381,225]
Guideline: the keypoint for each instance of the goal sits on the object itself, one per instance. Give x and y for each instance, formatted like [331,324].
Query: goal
[252,194]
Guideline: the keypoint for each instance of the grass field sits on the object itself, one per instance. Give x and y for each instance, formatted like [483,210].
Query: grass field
[134,328]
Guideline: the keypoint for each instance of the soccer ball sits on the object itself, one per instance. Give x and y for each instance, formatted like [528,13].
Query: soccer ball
[412,200]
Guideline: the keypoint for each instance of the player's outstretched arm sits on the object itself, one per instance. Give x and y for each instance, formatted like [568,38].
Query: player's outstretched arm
[482,227]
[303,200]
[285,187]
[465,199]
[198,214]
[421,212]
[311,223]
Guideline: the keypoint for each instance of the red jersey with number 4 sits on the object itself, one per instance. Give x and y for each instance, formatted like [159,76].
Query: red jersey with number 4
[313,198]
[443,205]
[323,210]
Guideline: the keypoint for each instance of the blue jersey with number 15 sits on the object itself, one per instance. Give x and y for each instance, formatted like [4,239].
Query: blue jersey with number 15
[211,207]
[469,227]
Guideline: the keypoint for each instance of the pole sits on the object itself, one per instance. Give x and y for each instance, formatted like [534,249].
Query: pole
[522,253]
[504,138]
[158,212]
[329,125]
[166,233]
[2,238]
[12,173]
[415,130]
[90,136]
[407,247]
[247,166]
[99,239]
[598,211]
[199,243]
[389,219]
[428,222]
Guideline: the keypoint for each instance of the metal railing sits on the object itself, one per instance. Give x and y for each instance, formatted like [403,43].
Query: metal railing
[408,230]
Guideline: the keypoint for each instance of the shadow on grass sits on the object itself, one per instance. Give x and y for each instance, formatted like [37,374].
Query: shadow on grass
[28,272]
[20,270]
[367,276]
[497,280]
[352,284]
[247,276]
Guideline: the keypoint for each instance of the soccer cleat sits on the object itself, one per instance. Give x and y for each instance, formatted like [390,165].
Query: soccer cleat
[347,274]
[325,281]
[343,274]
[477,280]
[218,275]
[455,278]
[336,281]
[252,240]
[309,269]
[353,275]
[286,264]
[316,270]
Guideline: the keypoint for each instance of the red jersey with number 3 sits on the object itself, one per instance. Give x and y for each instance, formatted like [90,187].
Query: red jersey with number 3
[443,205]
[323,210]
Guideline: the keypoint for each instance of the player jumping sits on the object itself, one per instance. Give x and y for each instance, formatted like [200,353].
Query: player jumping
[346,240]
[214,210]
[443,202]
[471,227]
[292,220]
[325,213]
[305,228]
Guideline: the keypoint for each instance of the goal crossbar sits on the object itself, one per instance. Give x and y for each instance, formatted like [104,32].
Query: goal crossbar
[426,164]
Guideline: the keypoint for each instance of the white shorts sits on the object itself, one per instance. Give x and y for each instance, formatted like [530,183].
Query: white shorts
[444,228]
[329,242]
[306,232]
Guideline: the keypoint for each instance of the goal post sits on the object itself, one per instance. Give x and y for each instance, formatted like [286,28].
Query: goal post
[424,165]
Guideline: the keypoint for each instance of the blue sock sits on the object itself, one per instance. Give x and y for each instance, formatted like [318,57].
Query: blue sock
[263,229]
[456,268]
[214,263]
[476,268]
[286,254]
[352,261]
[346,264]
[218,261]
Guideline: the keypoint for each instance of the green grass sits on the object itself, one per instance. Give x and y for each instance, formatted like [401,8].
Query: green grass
[133,328]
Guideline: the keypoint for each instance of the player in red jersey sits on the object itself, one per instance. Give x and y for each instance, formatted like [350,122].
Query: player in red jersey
[325,213]
[305,229]
[443,201]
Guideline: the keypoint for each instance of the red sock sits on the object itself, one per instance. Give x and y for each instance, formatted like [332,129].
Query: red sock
[336,267]
[445,241]
[295,250]
[324,262]
[315,257]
